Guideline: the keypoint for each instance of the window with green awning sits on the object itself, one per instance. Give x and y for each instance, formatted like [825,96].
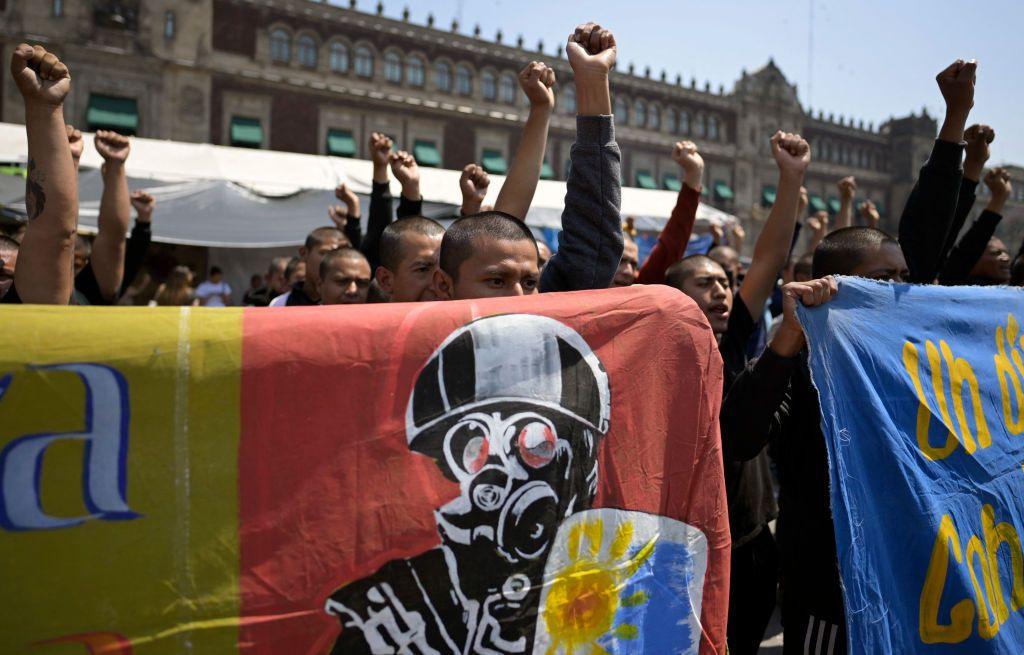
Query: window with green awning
[246,132]
[768,193]
[426,153]
[112,113]
[494,162]
[833,205]
[671,182]
[722,191]
[817,204]
[547,172]
[645,180]
[341,143]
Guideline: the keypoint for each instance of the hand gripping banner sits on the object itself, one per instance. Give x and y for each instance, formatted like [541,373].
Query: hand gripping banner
[922,397]
[532,475]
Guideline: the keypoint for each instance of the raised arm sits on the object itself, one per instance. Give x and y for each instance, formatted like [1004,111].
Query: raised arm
[591,243]
[108,249]
[407,172]
[931,207]
[45,259]
[671,245]
[140,239]
[978,138]
[957,268]
[869,214]
[847,188]
[516,195]
[381,208]
[473,184]
[348,215]
[792,155]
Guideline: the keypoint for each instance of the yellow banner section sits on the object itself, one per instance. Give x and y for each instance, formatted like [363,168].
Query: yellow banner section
[119,433]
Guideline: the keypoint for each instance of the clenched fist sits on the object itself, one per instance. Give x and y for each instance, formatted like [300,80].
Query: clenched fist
[338,215]
[76,142]
[144,204]
[41,77]
[407,172]
[818,225]
[349,197]
[956,83]
[847,187]
[792,153]
[591,51]
[473,183]
[998,182]
[537,81]
[686,155]
[978,138]
[380,148]
[113,147]
[869,213]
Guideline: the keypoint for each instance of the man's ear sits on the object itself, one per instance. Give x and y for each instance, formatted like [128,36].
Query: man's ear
[443,285]
[303,252]
[385,280]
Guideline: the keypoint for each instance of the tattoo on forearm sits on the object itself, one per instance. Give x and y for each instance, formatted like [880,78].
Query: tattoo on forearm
[35,198]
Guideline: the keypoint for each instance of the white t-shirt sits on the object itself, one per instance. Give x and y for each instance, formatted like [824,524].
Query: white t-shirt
[280,301]
[209,293]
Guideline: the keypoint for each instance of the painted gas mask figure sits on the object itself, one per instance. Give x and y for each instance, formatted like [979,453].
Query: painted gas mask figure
[511,408]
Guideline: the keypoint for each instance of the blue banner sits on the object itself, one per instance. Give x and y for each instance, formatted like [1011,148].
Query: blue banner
[922,399]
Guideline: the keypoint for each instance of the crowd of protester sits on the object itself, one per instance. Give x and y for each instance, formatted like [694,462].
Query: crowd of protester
[770,412]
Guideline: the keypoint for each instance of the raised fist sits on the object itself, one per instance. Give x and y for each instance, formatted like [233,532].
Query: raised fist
[537,80]
[144,204]
[847,187]
[41,77]
[685,154]
[404,166]
[956,83]
[348,196]
[112,146]
[591,51]
[473,183]
[998,182]
[805,200]
[811,294]
[869,213]
[792,153]
[818,223]
[338,215]
[75,141]
[380,148]
[978,137]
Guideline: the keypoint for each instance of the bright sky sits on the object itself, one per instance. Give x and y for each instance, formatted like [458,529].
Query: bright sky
[871,58]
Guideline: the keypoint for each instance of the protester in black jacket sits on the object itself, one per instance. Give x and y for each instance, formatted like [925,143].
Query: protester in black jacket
[980,258]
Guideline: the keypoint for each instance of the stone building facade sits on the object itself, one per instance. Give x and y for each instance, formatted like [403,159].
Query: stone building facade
[304,76]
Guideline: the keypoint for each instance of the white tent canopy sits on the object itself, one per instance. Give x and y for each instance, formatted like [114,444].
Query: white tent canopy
[264,175]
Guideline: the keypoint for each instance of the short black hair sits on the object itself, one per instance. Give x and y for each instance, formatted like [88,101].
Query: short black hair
[321,234]
[276,263]
[677,273]
[82,242]
[841,251]
[215,270]
[457,245]
[804,266]
[293,263]
[340,253]
[390,249]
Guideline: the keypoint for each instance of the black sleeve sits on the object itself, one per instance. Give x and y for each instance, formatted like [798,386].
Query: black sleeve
[757,406]
[964,203]
[135,253]
[354,233]
[930,210]
[381,215]
[11,297]
[407,208]
[87,285]
[958,267]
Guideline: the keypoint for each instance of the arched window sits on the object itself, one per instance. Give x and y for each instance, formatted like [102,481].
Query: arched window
[826,150]
[489,85]
[415,71]
[508,89]
[339,57]
[714,128]
[672,121]
[280,46]
[569,99]
[463,80]
[701,127]
[393,67]
[621,111]
[444,76]
[305,48]
[364,62]
[654,117]
[640,114]
[684,122]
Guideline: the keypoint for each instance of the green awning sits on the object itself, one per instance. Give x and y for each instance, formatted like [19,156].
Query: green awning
[704,193]
[645,180]
[671,182]
[833,205]
[246,133]
[110,113]
[341,143]
[15,171]
[768,195]
[817,204]
[494,163]
[723,192]
[547,172]
[426,154]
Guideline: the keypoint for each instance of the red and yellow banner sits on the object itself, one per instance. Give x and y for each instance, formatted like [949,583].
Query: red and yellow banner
[536,475]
